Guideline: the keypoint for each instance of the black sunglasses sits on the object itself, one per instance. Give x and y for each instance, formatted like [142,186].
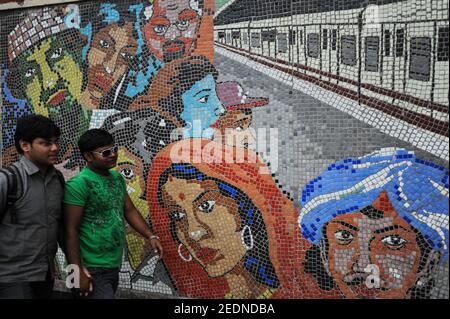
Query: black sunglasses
[108,152]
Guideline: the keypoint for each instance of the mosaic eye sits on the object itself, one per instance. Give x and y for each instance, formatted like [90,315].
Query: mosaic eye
[183,24]
[207,206]
[344,237]
[30,72]
[394,241]
[127,173]
[177,216]
[57,53]
[104,44]
[204,99]
[160,29]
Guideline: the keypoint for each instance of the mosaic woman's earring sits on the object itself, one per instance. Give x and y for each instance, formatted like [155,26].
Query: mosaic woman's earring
[181,255]
[247,237]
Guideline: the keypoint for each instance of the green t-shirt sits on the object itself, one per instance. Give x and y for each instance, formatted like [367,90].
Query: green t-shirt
[102,228]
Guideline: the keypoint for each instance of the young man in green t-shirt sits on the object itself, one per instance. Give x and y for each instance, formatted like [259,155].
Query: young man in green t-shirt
[96,205]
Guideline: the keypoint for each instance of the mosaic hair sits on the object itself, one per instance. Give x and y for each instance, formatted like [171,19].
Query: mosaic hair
[179,76]
[142,132]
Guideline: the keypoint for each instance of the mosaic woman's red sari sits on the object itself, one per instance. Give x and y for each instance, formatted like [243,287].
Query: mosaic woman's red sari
[286,246]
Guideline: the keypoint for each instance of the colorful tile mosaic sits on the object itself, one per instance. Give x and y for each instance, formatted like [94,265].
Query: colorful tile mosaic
[279,149]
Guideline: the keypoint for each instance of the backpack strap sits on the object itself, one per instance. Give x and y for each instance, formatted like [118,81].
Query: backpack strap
[14,191]
[5,201]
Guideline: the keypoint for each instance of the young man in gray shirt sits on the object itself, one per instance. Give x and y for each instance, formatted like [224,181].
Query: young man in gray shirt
[30,227]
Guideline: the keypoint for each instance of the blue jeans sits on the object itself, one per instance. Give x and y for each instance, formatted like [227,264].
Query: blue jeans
[106,282]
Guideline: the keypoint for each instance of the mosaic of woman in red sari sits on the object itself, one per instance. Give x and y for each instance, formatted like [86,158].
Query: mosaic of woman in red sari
[227,229]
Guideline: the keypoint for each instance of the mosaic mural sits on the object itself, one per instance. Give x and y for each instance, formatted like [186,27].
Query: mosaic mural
[279,149]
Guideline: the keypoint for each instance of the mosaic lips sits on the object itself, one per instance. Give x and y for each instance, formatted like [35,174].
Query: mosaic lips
[174,46]
[57,98]
[363,292]
[102,82]
[206,255]
[357,283]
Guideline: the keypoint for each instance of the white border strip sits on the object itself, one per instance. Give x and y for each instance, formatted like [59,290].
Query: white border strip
[33,3]
[433,143]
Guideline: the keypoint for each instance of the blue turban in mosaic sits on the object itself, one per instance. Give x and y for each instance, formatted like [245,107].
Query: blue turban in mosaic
[417,189]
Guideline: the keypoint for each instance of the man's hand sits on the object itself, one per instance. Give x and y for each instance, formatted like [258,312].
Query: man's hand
[156,246]
[86,283]
[135,219]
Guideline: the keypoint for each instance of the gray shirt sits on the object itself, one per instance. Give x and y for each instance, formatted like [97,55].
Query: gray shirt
[28,247]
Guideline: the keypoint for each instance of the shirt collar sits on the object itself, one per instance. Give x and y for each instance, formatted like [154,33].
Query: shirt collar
[31,168]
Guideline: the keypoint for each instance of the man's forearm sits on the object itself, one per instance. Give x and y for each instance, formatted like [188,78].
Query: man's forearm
[136,221]
[73,247]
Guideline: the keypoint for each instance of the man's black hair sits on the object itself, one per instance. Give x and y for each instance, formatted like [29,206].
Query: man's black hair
[93,139]
[34,126]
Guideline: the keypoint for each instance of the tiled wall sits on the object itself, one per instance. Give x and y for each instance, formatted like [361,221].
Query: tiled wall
[280,149]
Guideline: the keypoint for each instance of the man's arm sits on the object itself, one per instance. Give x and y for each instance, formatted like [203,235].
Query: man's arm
[135,219]
[72,220]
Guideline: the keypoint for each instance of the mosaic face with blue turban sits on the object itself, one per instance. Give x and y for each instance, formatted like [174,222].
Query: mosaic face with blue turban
[379,225]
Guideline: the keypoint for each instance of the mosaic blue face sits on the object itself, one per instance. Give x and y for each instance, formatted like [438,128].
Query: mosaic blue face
[202,108]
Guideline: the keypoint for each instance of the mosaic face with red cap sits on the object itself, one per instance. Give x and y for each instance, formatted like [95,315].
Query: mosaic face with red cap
[171,31]
[234,129]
